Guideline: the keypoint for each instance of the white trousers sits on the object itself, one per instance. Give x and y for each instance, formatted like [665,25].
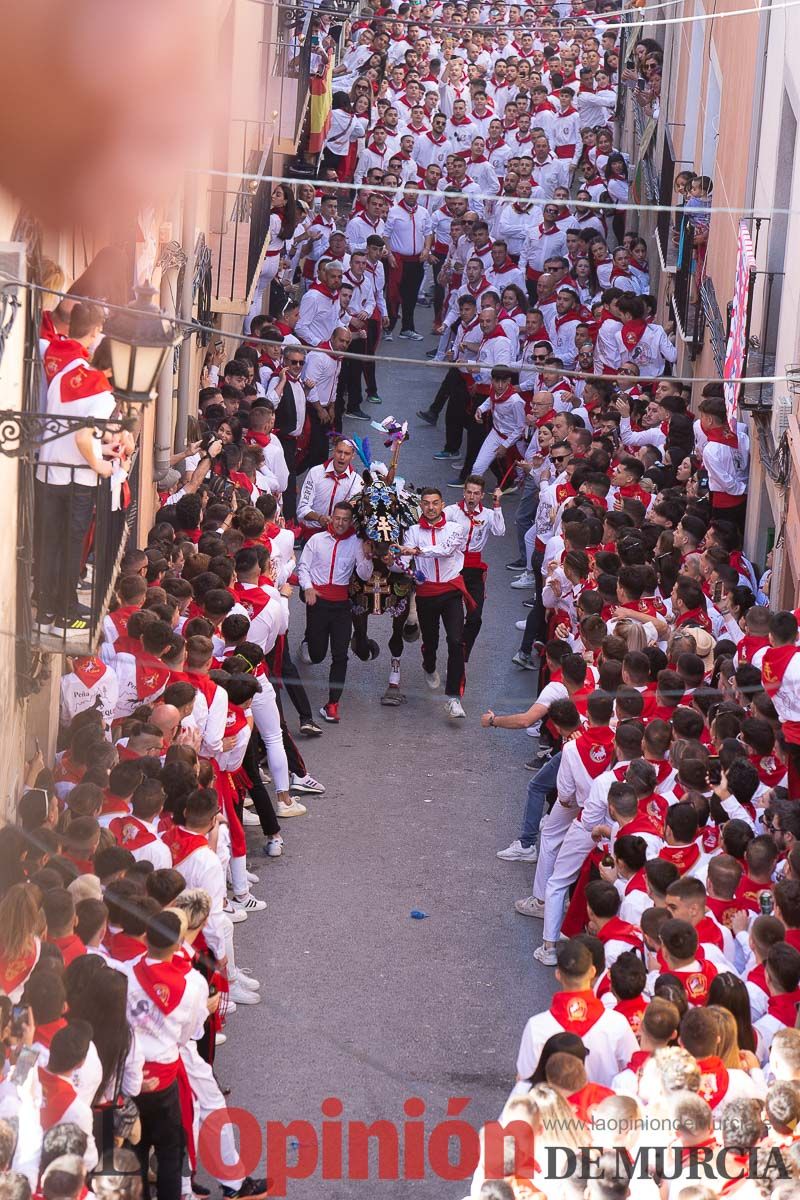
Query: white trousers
[486,453]
[268,723]
[571,857]
[209,1099]
[268,272]
[551,834]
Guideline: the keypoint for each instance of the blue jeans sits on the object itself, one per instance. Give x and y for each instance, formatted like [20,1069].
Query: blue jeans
[539,787]
[526,514]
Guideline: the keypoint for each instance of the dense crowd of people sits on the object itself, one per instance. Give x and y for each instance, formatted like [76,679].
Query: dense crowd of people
[661,819]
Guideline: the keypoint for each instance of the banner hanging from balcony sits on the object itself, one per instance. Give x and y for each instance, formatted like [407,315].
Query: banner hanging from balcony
[735,354]
[321,88]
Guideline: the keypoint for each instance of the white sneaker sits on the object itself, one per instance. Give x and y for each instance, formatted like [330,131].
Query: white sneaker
[304,655]
[248,801]
[295,809]
[394,674]
[521,626]
[248,903]
[454,707]
[526,580]
[252,877]
[220,1039]
[246,979]
[237,915]
[273,847]
[306,784]
[530,907]
[230,1007]
[265,775]
[243,995]
[250,818]
[433,681]
[546,955]
[516,852]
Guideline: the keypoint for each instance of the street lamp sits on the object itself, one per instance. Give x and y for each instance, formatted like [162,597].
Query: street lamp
[140,338]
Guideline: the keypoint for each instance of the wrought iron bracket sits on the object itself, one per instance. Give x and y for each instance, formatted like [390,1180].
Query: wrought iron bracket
[22,433]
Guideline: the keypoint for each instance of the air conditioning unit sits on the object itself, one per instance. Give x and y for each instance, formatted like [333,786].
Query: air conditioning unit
[783,410]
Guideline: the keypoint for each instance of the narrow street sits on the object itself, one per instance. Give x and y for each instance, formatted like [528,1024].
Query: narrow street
[361,1001]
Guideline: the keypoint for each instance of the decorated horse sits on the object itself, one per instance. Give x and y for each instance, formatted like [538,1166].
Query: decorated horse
[382,512]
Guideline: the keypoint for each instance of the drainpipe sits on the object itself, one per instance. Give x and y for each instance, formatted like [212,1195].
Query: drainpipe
[163,430]
[186,307]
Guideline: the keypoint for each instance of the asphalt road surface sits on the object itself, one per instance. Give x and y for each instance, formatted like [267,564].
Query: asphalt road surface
[362,1002]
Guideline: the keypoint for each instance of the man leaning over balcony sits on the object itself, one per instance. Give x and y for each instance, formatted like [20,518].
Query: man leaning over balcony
[68,472]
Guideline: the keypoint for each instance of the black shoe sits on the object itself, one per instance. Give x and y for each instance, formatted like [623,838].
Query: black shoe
[518,564]
[80,610]
[358,414]
[199,1190]
[252,1189]
[529,604]
[538,762]
[430,354]
[310,728]
[427,416]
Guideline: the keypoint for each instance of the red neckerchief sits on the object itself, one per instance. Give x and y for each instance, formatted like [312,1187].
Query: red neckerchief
[618,273]
[253,438]
[568,317]
[235,720]
[566,112]
[44,1033]
[84,866]
[332,473]
[576,1012]
[723,435]
[325,291]
[204,684]
[748,892]
[114,805]
[57,1095]
[71,947]
[683,857]
[770,770]
[709,933]
[131,833]
[498,145]
[638,1059]
[505,395]
[437,141]
[61,352]
[632,333]
[252,599]
[774,666]
[637,882]
[633,1011]
[152,675]
[616,930]
[123,947]
[714,1080]
[342,537]
[595,747]
[163,982]
[424,523]
[182,842]
[721,908]
[548,416]
[90,670]
[696,983]
[525,207]
[784,1007]
[750,645]
[585,1099]
[643,822]
[120,617]
[694,616]
[758,978]
[409,209]
[460,121]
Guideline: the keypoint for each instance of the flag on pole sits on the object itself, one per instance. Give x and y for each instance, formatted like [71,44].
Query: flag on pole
[321,88]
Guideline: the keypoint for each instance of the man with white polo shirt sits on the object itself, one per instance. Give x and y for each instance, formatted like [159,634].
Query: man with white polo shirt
[477,522]
[409,237]
[319,308]
[321,378]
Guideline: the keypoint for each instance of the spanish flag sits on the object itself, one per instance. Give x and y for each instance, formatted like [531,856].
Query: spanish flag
[320,115]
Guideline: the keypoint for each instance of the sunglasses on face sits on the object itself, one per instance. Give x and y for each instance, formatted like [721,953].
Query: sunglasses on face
[295,362]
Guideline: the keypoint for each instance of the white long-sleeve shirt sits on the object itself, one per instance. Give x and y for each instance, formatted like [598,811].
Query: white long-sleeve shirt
[359,228]
[652,351]
[78,694]
[161,1034]
[440,556]
[319,315]
[508,417]
[323,487]
[727,466]
[476,526]
[407,229]
[322,371]
[495,350]
[328,562]
[375,277]
[268,621]
[541,244]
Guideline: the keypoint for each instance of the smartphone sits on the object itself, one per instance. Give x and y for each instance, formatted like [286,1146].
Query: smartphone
[714,770]
[25,1063]
[19,1020]
[640,85]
